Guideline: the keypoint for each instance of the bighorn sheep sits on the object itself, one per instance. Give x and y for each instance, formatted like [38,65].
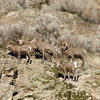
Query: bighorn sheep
[73,52]
[29,43]
[41,47]
[48,48]
[20,50]
[69,67]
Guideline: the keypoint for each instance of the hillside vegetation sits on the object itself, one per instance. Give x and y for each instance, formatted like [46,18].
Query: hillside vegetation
[75,21]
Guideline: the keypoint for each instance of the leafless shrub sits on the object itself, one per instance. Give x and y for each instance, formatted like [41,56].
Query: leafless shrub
[11,32]
[50,28]
[12,5]
[87,9]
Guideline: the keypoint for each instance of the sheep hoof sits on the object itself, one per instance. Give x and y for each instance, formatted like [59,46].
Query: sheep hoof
[30,61]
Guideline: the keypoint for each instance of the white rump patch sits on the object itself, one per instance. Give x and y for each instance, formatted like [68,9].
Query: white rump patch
[20,42]
[30,48]
[75,63]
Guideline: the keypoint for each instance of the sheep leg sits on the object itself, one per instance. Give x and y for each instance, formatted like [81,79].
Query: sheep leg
[43,54]
[69,76]
[64,75]
[74,77]
[82,62]
[19,58]
[71,57]
[28,58]
[77,78]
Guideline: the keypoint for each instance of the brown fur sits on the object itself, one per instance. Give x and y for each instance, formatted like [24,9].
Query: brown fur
[48,48]
[31,44]
[20,50]
[68,67]
[75,53]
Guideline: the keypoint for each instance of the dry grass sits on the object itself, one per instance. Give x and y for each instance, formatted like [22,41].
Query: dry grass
[50,28]
[11,32]
[12,5]
[88,10]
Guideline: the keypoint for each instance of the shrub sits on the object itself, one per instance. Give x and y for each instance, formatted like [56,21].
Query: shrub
[11,32]
[50,28]
[90,43]
[12,5]
[87,9]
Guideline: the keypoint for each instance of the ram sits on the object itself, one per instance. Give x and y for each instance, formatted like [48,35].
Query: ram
[73,52]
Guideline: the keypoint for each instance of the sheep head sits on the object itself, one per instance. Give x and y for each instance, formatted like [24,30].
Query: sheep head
[64,46]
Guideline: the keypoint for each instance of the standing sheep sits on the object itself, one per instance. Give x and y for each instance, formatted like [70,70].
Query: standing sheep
[73,52]
[48,48]
[69,67]
[29,43]
[21,50]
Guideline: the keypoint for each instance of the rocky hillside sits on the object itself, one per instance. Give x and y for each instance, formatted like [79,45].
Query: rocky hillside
[77,22]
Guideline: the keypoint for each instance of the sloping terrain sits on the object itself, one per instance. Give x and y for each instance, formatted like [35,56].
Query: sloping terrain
[41,81]
[77,22]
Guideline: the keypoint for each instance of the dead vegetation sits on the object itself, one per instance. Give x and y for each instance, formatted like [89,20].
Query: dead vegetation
[87,9]
[12,5]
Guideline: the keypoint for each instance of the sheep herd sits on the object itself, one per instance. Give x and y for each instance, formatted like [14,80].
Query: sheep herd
[29,48]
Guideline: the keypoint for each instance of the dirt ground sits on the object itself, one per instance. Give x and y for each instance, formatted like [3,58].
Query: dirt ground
[39,80]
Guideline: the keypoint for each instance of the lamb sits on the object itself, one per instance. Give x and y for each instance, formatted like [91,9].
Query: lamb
[20,50]
[74,52]
[48,48]
[69,67]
